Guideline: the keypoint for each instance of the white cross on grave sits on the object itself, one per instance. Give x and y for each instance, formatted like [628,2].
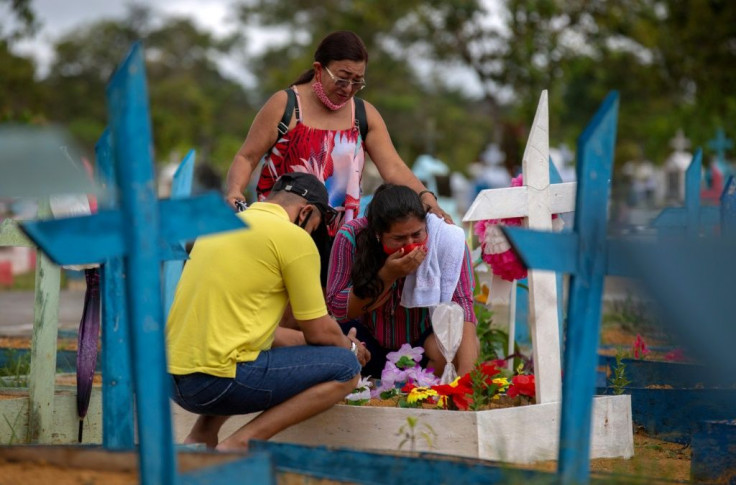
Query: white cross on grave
[535,201]
[679,142]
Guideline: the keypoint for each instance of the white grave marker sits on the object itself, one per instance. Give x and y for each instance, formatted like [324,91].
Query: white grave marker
[535,201]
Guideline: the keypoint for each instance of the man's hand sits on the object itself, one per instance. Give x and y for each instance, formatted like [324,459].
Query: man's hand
[363,355]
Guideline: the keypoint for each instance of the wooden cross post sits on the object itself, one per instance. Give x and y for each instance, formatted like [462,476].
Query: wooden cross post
[137,231]
[41,381]
[117,374]
[583,253]
[693,216]
[536,201]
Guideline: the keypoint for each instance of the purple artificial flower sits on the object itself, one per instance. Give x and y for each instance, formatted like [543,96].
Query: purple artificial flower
[406,350]
[391,375]
[422,377]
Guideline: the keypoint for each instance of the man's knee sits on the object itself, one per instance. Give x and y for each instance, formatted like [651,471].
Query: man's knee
[349,368]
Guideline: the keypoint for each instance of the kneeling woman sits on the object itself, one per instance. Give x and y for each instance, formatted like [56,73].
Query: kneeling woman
[369,264]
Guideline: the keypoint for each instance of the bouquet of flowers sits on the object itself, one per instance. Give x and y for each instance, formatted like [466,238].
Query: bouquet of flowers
[407,384]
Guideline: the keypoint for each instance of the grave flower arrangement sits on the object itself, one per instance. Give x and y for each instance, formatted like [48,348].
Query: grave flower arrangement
[496,250]
[404,383]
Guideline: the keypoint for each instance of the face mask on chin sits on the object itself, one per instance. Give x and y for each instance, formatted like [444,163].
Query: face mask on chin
[319,90]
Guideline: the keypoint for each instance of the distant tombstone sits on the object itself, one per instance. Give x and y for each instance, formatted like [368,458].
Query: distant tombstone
[427,168]
[492,173]
[720,144]
[693,218]
[675,167]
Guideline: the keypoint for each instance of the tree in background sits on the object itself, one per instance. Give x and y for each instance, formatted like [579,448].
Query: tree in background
[673,61]
[21,99]
[193,105]
[422,113]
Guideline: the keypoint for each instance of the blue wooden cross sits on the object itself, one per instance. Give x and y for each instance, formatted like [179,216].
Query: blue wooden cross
[117,374]
[181,187]
[693,217]
[582,253]
[720,144]
[138,231]
[728,208]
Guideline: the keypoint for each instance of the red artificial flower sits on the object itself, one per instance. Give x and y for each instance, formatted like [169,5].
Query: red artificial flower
[408,387]
[675,355]
[521,385]
[640,348]
[458,391]
[489,369]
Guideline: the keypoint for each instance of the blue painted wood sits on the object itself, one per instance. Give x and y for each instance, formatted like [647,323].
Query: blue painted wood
[544,250]
[674,414]
[594,169]
[704,318]
[142,239]
[256,468]
[644,373]
[382,469]
[130,128]
[183,221]
[117,384]
[692,192]
[714,452]
[728,208]
[181,187]
[581,253]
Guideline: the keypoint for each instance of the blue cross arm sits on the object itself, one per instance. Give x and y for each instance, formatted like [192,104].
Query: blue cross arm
[187,219]
[99,237]
[677,217]
[552,251]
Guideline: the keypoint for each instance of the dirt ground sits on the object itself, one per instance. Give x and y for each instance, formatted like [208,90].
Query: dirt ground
[653,458]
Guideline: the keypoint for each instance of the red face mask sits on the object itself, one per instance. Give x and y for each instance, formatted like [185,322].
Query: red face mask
[407,249]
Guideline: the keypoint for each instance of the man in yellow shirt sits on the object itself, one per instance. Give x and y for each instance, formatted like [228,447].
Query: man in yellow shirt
[227,353]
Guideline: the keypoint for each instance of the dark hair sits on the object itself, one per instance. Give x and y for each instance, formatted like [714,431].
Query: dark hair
[391,203]
[337,46]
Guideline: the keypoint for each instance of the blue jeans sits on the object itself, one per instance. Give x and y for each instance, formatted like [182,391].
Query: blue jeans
[275,376]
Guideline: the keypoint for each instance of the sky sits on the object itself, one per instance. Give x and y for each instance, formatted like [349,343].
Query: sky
[58,17]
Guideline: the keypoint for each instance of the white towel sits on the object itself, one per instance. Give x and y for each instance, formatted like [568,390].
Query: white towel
[435,279]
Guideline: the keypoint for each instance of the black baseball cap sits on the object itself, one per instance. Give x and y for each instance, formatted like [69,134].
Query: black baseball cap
[309,187]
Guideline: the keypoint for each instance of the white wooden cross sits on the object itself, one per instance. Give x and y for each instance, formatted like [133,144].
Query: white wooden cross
[535,201]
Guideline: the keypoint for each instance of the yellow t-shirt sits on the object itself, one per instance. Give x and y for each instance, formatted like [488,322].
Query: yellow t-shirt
[234,289]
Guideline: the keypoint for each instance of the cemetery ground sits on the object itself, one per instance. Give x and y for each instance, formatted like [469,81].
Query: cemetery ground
[625,317]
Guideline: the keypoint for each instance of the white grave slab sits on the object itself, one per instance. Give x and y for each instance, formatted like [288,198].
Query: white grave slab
[523,434]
